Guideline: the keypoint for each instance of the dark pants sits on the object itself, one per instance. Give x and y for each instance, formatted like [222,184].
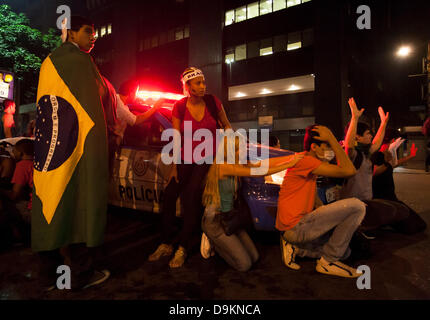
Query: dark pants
[380,212]
[190,188]
[78,257]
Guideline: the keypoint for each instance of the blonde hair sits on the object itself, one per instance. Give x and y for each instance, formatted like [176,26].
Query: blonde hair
[211,192]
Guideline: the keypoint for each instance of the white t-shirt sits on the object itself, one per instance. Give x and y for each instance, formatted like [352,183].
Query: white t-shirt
[123,113]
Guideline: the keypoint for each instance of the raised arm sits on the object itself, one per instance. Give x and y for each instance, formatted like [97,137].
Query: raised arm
[379,137]
[411,155]
[352,129]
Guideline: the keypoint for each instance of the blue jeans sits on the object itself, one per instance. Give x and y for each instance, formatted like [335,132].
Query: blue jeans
[237,250]
[327,231]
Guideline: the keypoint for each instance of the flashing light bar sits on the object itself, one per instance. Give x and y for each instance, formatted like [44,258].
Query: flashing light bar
[156,95]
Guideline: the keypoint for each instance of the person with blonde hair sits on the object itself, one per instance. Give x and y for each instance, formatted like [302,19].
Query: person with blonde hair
[237,250]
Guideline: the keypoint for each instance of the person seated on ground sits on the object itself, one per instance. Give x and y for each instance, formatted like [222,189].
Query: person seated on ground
[384,188]
[307,227]
[359,146]
[16,202]
[22,180]
[237,249]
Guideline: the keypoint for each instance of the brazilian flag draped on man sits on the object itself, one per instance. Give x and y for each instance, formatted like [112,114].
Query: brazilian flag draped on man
[71,152]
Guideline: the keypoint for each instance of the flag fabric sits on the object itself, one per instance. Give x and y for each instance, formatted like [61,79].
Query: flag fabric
[71,152]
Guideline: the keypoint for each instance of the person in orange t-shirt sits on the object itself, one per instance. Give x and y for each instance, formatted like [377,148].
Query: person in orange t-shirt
[308,227]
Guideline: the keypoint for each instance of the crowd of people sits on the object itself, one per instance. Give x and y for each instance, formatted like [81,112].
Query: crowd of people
[68,220]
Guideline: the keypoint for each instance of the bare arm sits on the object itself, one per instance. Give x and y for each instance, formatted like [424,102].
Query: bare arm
[379,137]
[378,170]
[222,116]
[352,129]
[145,116]
[344,167]
[275,165]
[412,154]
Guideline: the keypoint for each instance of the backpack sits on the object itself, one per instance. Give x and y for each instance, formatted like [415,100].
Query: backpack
[209,100]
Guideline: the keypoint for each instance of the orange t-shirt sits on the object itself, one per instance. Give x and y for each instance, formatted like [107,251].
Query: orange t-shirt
[297,195]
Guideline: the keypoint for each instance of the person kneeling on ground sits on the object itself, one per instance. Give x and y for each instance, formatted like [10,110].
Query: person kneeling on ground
[237,250]
[14,200]
[324,232]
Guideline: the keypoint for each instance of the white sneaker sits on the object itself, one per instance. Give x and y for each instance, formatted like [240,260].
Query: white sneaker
[288,252]
[337,269]
[206,248]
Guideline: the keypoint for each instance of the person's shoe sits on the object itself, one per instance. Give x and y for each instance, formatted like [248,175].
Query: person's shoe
[163,250]
[179,258]
[97,278]
[337,269]
[288,252]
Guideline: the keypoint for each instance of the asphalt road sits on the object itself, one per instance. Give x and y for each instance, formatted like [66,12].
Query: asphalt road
[399,265]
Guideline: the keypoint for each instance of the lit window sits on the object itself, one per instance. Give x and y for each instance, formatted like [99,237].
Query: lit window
[291,3]
[97,33]
[240,14]
[294,41]
[154,42]
[266,51]
[266,47]
[179,34]
[279,5]
[253,10]
[187,32]
[229,58]
[294,46]
[265,7]
[240,52]
[102,32]
[303,1]
[229,17]
[109,29]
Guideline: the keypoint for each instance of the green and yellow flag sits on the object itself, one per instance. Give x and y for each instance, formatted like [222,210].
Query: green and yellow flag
[71,158]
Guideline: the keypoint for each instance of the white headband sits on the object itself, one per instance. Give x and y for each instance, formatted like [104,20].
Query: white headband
[192,74]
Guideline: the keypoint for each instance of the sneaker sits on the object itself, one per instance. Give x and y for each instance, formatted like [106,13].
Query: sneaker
[163,250]
[288,252]
[97,278]
[337,269]
[179,258]
[206,248]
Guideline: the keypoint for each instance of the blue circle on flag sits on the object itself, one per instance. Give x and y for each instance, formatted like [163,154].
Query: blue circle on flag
[56,132]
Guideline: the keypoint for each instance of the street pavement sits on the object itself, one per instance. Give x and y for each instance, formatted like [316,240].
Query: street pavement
[399,265]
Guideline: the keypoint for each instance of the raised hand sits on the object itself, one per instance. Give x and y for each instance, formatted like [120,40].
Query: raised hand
[354,110]
[384,116]
[324,133]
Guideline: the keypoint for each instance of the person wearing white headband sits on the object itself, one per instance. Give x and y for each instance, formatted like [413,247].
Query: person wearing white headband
[197,110]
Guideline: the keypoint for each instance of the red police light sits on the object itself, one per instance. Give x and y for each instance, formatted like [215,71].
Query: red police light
[155,95]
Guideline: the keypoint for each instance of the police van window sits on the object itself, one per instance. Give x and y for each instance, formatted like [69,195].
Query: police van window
[137,136]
